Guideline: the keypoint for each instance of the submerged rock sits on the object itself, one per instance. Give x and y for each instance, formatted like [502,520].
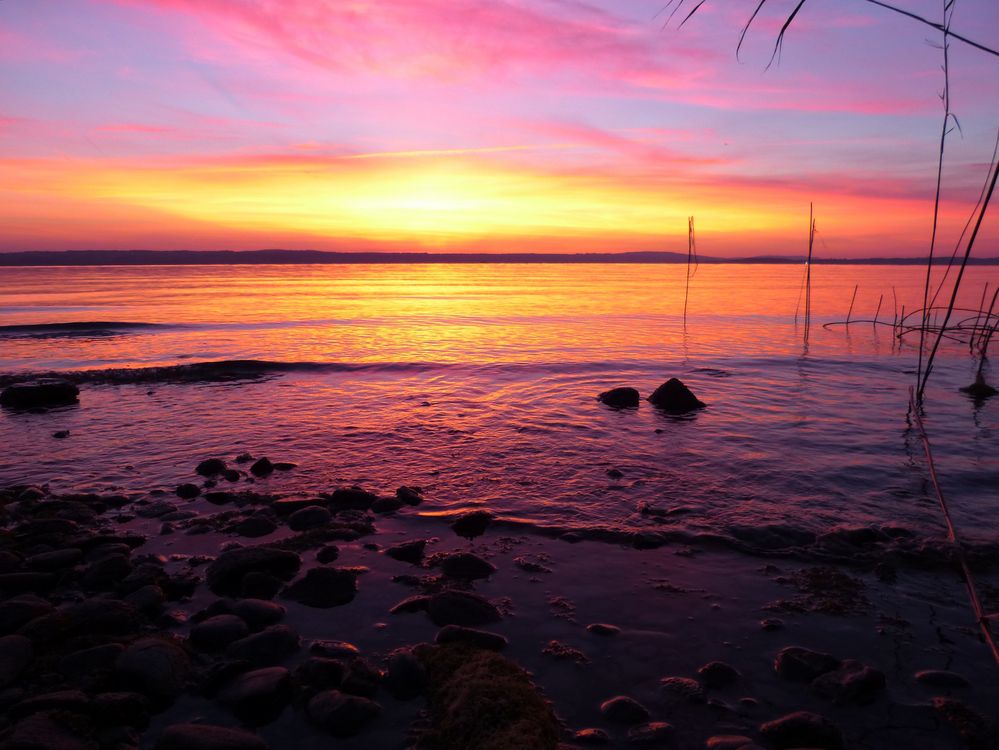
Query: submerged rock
[675,398]
[620,398]
[591,737]
[938,678]
[266,648]
[309,517]
[718,674]
[216,633]
[41,393]
[652,734]
[980,390]
[324,588]
[406,677]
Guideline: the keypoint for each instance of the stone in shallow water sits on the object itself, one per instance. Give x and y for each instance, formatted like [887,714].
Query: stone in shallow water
[803,665]
[624,710]
[939,678]
[258,697]
[208,737]
[258,613]
[602,628]
[461,608]
[216,633]
[310,517]
[225,574]
[187,491]
[674,397]
[211,467]
[718,674]
[406,677]
[591,737]
[852,682]
[411,551]
[652,734]
[155,667]
[266,648]
[620,398]
[324,588]
[340,714]
[466,566]
[41,393]
[683,687]
[471,636]
[472,524]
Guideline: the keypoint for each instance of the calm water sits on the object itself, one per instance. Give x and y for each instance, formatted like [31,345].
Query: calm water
[477,382]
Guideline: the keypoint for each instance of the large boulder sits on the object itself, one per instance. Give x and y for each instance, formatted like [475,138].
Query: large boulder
[674,397]
[41,393]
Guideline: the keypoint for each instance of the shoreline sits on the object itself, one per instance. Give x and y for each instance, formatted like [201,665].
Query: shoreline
[678,607]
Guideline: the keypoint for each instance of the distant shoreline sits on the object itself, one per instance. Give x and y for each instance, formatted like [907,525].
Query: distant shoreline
[303,257]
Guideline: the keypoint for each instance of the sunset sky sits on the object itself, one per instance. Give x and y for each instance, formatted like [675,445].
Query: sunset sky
[510,125]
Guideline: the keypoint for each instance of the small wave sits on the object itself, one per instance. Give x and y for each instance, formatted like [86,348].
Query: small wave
[74,328]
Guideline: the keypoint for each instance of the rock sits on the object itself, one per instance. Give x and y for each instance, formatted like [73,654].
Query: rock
[55,560]
[406,677]
[411,551]
[104,574]
[979,390]
[16,612]
[231,475]
[262,467]
[472,524]
[729,742]
[852,682]
[938,678]
[340,714]
[244,458]
[771,624]
[319,673]
[652,734]
[461,608]
[211,467]
[803,729]
[258,613]
[466,566]
[216,633]
[187,491]
[624,710]
[116,709]
[323,588]
[71,701]
[155,667]
[285,465]
[352,498]
[60,434]
[266,648]
[328,554]
[16,653]
[718,674]
[149,599]
[255,527]
[23,583]
[100,616]
[674,397]
[477,638]
[614,473]
[418,603]
[225,574]
[602,628]
[208,737]
[386,505]
[620,398]
[803,665]
[310,517]
[87,661]
[260,586]
[591,737]
[46,731]
[409,495]
[40,393]
[258,697]
[683,687]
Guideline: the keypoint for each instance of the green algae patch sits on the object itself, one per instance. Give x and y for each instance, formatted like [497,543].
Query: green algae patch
[483,700]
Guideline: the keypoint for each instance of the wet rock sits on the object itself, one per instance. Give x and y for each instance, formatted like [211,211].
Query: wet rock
[409,495]
[266,648]
[310,517]
[360,677]
[208,737]
[216,633]
[47,731]
[340,714]
[466,566]
[285,465]
[602,628]
[104,574]
[772,624]
[620,398]
[614,473]
[324,588]
[386,505]
[72,701]
[730,742]
[979,390]
[40,393]
[975,730]
[255,527]
[16,653]
[225,575]
[258,697]
[803,665]
[148,599]
[852,682]
[20,610]
[328,554]
[718,674]
[674,397]
[23,583]
[352,498]
[411,551]
[87,661]
[260,586]
[683,687]
[406,677]
[55,560]
[938,678]
[591,737]
[262,467]
[461,608]
[98,616]
[652,734]
[231,475]
[803,729]
[477,638]
[319,673]
[472,524]
[258,613]
[60,434]
[154,667]
[624,710]
[211,467]
[244,458]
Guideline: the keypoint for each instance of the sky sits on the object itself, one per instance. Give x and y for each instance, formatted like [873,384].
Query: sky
[500,126]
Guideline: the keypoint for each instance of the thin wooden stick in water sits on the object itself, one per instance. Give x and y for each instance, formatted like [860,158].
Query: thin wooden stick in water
[878,311]
[978,318]
[852,300]
[691,258]
[808,270]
